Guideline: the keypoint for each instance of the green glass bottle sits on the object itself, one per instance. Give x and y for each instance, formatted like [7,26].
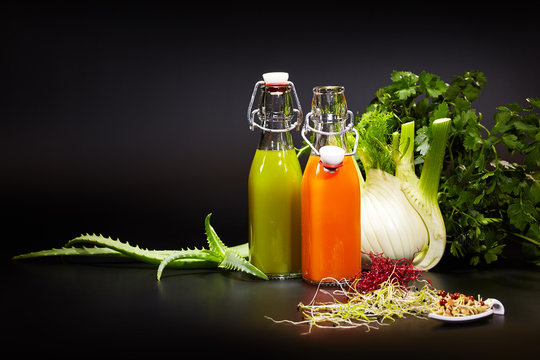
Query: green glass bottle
[274,181]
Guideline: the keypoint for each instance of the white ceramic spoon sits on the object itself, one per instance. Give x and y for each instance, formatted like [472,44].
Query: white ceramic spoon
[496,307]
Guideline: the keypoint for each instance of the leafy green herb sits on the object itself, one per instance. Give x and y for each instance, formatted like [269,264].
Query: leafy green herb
[217,256]
[374,141]
[486,201]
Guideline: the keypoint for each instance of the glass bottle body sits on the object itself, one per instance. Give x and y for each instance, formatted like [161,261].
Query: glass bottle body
[330,200]
[274,192]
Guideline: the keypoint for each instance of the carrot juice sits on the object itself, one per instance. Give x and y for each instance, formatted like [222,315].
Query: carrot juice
[330,221]
[330,192]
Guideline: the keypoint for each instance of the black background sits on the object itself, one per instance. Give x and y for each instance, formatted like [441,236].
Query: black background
[129,118]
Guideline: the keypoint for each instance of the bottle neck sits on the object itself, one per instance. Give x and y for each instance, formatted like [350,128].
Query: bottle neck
[321,139]
[276,140]
[275,114]
[329,109]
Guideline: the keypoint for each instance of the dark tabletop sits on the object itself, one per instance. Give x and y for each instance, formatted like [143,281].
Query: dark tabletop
[104,307]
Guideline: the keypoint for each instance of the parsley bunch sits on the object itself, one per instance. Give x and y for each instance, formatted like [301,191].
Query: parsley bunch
[487,202]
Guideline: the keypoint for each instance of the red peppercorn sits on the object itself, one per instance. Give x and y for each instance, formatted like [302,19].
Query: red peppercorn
[442,293]
[442,302]
[454,296]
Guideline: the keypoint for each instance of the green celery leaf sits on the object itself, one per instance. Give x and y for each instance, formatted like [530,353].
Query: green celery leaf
[473,140]
[521,214]
[408,76]
[441,111]
[533,192]
[511,141]
[529,129]
[432,85]
[534,102]
[492,254]
[403,94]
[421,140]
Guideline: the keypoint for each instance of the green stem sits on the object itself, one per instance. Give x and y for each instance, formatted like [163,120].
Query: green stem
[303,150]
[364,157]
[406,149]
[360,177]
[485,128]
[537,243]
[431,171]
[404,157]
[395,143]
[456,210]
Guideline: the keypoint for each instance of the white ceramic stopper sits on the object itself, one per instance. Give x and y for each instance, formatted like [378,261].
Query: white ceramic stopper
[276,77]
[332,155]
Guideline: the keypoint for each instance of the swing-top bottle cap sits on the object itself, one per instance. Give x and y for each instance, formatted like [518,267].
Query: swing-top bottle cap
[331,155]
[276,78]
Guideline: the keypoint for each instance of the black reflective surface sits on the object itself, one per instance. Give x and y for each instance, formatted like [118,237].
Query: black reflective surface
[101,308]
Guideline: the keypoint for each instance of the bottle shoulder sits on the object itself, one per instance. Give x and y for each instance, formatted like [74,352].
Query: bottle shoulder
[345,174]
[275,163]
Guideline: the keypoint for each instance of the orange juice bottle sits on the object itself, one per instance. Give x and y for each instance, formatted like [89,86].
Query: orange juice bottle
[330,193]
[274,181]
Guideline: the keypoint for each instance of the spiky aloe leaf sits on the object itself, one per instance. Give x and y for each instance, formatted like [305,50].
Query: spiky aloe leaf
[149,256]
[134,252]
[180,263]
[214,242]
[233,261]
[242,249]
[219,254]
[202,254]
[70,251]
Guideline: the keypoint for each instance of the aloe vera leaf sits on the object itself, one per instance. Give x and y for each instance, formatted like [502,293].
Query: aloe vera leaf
[184,258]
[176,260]
[186,255]
[233,261]
[81,251]
[183,263]
[135,252]
[242,249]
[214,242]
[180,263]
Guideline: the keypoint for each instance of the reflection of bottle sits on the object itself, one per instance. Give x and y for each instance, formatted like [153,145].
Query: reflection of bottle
[274,182]
[330,193]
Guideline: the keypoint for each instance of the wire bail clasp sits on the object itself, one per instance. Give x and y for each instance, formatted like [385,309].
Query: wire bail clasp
[349,127]
[273,80]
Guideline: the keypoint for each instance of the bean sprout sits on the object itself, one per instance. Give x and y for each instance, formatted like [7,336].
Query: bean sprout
[350,308]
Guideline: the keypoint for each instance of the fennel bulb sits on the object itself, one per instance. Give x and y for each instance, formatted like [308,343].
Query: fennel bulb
[387,214]
[400,214]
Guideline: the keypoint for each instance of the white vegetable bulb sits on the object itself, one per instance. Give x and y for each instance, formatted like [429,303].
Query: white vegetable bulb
[390,225]
[400,215]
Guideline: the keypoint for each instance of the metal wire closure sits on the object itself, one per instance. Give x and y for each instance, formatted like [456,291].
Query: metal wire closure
[306,128]
[251,114]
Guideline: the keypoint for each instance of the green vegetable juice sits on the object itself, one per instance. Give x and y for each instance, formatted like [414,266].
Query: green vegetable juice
[274,213]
